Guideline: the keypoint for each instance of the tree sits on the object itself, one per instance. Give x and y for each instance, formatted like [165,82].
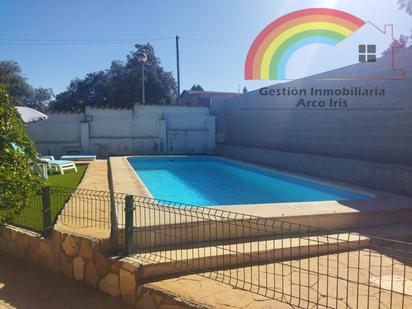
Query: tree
[404,40]
[196,88]
[12,79]
[405,5]
[40,98]
[120,86]
[18,180]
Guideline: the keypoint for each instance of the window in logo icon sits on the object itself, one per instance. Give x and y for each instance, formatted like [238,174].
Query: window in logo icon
[367,53]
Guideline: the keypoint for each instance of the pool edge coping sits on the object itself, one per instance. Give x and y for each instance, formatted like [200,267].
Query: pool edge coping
[290,210]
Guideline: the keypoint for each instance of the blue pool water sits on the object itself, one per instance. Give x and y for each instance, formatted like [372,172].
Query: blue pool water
[209,181]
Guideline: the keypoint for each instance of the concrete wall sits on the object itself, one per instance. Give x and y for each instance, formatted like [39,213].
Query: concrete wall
[375,131]
[58,134]
[386,177]
[367,143]
[142,130]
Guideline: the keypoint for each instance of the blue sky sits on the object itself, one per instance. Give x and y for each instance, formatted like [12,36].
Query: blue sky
[214,65]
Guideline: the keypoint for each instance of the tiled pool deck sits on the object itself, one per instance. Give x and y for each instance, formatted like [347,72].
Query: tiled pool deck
[95,178]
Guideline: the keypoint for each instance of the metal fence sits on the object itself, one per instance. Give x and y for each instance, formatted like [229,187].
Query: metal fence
[31,216]
[73,207]
[85,208]
[297,264]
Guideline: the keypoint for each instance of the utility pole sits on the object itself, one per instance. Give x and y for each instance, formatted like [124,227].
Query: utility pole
[142,58]
[178,69]
[143,90]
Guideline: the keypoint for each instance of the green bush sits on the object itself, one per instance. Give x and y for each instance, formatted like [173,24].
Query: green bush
[18,180]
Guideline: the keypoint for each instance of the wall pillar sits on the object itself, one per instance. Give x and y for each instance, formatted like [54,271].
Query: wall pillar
[211,125]
[162,136]
[85,137]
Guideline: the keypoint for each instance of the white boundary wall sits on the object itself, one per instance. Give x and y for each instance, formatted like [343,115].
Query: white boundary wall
[141,130]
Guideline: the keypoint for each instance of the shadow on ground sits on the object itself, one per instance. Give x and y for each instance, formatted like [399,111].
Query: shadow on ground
[24,285]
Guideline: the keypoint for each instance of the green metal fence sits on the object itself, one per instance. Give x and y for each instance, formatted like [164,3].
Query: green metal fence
[301,265]
[42,211]
[31,216]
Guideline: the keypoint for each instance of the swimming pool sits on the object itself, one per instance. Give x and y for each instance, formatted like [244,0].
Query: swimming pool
[211,181]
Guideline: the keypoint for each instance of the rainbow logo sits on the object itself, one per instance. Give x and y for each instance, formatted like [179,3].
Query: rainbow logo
[271,50]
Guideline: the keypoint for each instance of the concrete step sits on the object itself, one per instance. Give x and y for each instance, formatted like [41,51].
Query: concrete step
[166,263]
[197,232]
[158,225]
[398,231]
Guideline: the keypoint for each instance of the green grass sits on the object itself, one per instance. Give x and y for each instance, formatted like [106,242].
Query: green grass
[31,217]
[69,179]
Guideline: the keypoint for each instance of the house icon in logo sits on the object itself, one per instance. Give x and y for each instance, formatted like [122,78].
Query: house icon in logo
[341,39]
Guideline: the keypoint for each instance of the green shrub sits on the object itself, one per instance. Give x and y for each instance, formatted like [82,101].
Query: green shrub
[18,180]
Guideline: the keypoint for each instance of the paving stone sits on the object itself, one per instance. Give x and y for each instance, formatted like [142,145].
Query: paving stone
[70,246]
[127,286]
[140,290]
[78,268]
[110,285]
[231,298]
[157,298]
[394,283]
[130,264]
[170,306]
[180,305]
[45,248]
[102,264]
[91,275]
[115,266]
[66,265]
[85,250]
[320,280]
[146,302]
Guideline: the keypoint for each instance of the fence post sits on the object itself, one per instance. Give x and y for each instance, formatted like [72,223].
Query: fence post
[47,221]
[128,212]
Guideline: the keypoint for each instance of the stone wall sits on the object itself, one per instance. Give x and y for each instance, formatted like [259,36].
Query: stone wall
[86,260]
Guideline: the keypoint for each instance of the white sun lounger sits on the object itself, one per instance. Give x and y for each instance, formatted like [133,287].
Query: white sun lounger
[78,157]
[59,165]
